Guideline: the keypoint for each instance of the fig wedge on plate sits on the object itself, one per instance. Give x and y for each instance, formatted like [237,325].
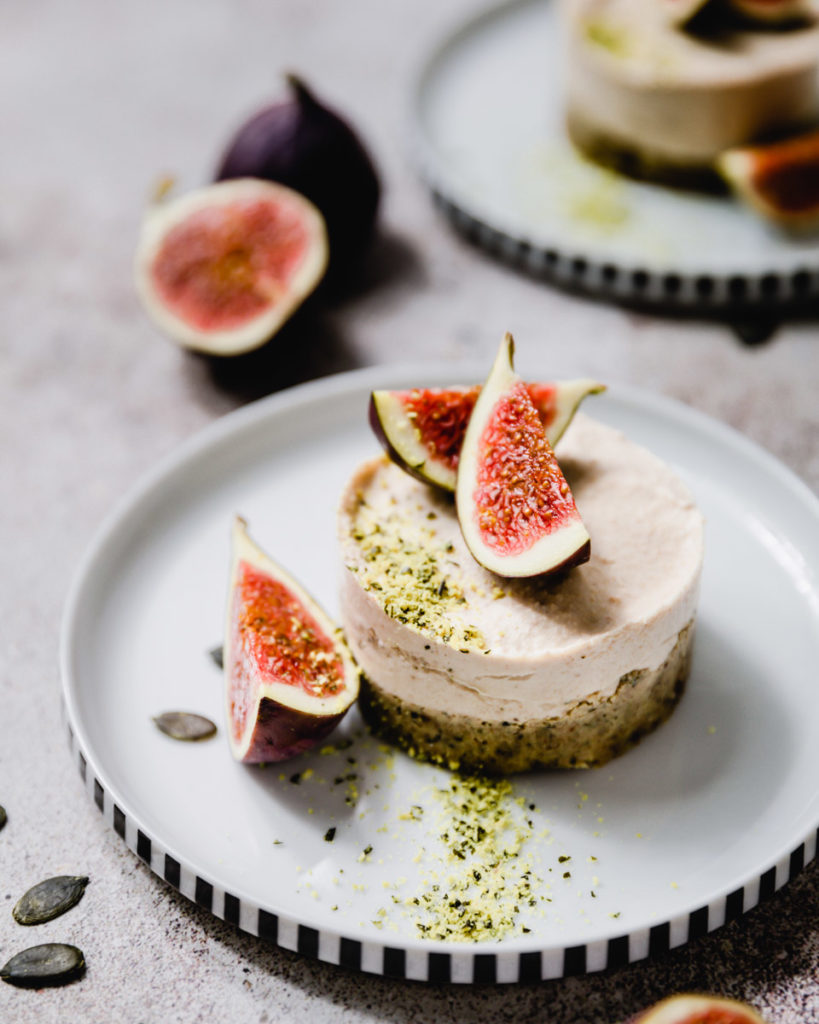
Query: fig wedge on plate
[515,509]
[422,430]
[222,268]
[289,677]
[780,180]
[691,1008]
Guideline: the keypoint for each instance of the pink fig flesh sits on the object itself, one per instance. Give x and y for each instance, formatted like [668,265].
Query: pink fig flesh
[695,1008]
[515,508]
[222,268]
[422,430]
[289,678]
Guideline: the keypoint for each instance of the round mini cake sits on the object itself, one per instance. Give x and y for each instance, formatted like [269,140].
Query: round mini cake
[657,101]
[482,673]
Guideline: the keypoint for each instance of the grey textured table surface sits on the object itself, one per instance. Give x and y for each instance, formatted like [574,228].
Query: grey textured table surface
[98,101]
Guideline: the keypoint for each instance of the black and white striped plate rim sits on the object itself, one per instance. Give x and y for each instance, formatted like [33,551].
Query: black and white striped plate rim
[581,271]
[433,966]
[793,280]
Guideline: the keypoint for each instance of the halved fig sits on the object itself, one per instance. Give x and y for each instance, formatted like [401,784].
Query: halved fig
[289,677]
[422,430]
[698,1009]
[515,509]
[780,180]
[222,268]
[772,12]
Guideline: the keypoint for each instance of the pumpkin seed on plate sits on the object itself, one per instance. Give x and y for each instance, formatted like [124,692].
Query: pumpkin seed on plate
[184,725]
[218,656]
[3,817]
[47,900]
[53,963]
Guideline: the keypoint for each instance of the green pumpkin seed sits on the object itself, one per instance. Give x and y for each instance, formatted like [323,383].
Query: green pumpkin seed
[53,963]
[48,899]
[218,655]
[3,817]
[183,725]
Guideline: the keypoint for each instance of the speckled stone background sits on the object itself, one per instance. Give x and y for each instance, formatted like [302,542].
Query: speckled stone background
[97,101]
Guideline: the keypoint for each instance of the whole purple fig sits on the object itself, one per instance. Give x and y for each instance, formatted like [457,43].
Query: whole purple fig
[301,143]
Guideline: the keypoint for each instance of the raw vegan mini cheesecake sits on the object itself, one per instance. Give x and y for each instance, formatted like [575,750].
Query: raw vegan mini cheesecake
[476,671]
[658,99]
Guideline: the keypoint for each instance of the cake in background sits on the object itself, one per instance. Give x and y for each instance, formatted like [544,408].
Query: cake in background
[658,90]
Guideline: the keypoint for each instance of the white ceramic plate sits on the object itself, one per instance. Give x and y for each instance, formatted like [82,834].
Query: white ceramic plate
[489,123]
[703,818]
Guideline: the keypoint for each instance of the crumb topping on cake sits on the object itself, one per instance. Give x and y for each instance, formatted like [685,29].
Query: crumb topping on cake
[413,573]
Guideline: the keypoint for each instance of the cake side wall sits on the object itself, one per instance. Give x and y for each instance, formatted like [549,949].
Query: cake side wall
[593,732]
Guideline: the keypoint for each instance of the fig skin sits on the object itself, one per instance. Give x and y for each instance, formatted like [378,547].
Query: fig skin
[281,733]
[423,469]
[566,543]
[696,1008]
[305,145]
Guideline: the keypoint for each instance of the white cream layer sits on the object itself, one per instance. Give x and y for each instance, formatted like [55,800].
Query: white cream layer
[521,650]
[681,96]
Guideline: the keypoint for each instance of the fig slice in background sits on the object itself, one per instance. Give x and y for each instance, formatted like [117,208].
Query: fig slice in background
[422,430]
[698,1009]
[779,180]
[289,678]
[515,509]
[773,12]
[222,268]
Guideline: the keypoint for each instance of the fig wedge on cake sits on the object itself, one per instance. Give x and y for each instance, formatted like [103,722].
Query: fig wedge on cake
[422,429]
[289,677]
[515,508]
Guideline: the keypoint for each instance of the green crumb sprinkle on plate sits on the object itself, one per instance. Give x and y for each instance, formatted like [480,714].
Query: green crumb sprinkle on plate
[482,880]
[608,37]
[484,865]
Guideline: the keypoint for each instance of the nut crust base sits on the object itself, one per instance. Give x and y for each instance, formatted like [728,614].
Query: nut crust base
[640,164]
[590,734]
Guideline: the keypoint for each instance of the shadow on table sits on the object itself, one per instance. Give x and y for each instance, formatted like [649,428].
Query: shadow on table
[391,263]
[312,343]
[753,324]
